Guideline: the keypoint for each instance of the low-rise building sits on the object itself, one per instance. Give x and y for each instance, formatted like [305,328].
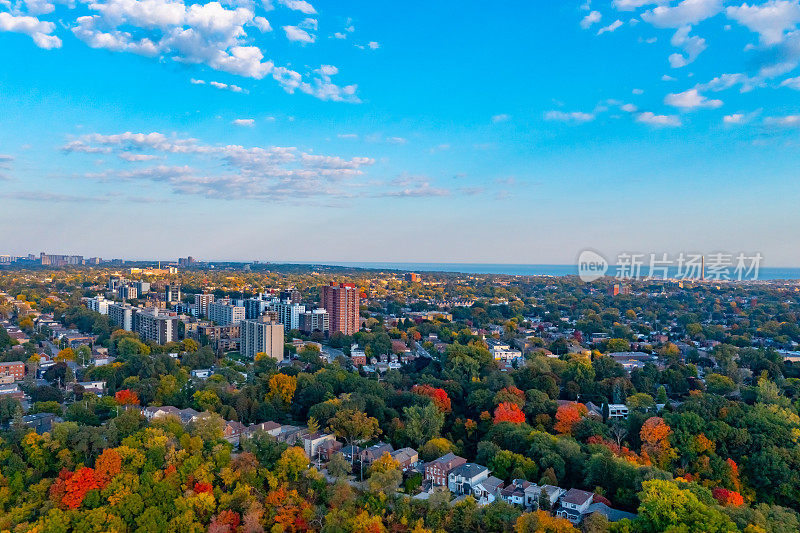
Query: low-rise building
[462,479]
[437,470]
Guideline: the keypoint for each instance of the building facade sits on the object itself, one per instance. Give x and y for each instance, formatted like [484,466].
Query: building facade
[261,336]
[224,313]
[342,302]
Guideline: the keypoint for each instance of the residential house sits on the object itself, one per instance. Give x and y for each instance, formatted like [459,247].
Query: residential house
[487,490]
[514,493]
[463,478]
[535,493]
[407,457]
[313,441]
[437,470]
[574,505]
[617,411]
[375,452]
[233,431]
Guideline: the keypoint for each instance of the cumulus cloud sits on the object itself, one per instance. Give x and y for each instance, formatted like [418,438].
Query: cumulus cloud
[373,45]
[219,35]
[691,99]
[247,122]
[590,19]
[574,116]
[693,46]
[686,12]
[770,20]
[39,30]
[652,119]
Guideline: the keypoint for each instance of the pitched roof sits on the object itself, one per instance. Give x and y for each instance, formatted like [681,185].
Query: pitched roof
[468,470]
[577,496]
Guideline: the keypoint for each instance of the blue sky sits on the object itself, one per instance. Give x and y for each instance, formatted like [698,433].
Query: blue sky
[442,131]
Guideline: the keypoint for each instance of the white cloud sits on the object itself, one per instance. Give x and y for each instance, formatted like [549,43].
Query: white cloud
[396,140]
[502,117]
[637,91]
[630,108]
[373,45]
[247,122]
[219,85]
[295,33]
[590,19]
[726,81]
[667,77]
[692,45]
[691,99]
[770,19]
[340,35]
[686,12]
[347,136]
[740,118]
[262,24]
[652,119]
[133,158]
[610,28]
[270,173]
[213,34]
[299,5]
[38,30]
[574,116]
[793,83]
[787,121]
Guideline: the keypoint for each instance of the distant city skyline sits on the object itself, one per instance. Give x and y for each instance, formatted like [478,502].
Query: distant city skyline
[330,132]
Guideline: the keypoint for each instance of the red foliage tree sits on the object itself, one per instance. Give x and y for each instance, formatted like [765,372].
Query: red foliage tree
[202,487]
[77,485]
[728,498]
[226,521]
[439,396]
[126,397]
[509,412]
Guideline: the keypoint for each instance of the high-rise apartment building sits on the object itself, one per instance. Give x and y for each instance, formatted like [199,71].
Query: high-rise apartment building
[201,302]
[172,293]
[315,320]
[342,301]
[121,315]
[261,336]
[156,325]
[289,314]
[98,304]
[223,313]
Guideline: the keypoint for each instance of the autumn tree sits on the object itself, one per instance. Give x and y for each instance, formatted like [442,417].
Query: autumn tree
[568,415]
[353,426]
[508,412]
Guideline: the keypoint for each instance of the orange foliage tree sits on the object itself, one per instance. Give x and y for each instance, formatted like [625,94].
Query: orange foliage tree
[126,397]
[108,465]
[439,396]
[509,412]
[655,441]
[568,415]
